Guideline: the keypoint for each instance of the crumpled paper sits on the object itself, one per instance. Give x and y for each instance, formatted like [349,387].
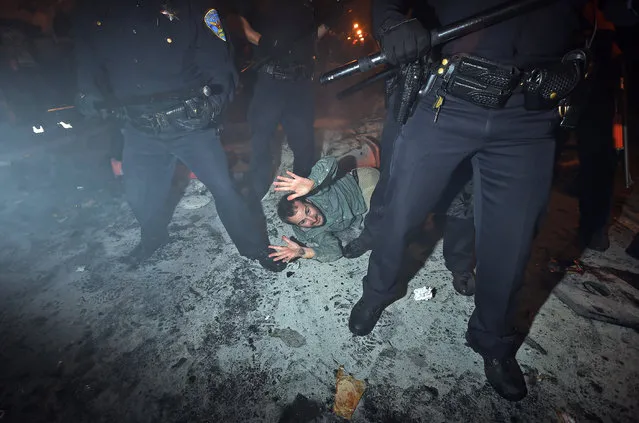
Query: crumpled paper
[347,395]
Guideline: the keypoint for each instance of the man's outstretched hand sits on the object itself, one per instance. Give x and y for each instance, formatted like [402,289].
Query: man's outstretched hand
[290,251]
[298,185]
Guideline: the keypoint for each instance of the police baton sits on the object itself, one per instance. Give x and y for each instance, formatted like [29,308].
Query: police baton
[484,19]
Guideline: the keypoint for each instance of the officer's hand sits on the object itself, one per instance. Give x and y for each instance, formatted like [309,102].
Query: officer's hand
[405,42]
[300,186]
[86,105]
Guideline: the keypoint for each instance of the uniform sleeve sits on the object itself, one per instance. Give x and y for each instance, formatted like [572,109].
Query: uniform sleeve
[388,12]
[324,171]
[213,53]
[327,246]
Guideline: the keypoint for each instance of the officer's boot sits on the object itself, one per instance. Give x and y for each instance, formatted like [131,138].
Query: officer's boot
[596,239]
[148,245]
[633,248]
[503,374]
[358,246]
[464,283]
[365,314]
[269,264]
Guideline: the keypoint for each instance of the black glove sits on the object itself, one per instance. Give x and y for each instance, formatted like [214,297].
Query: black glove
[271,47]
[405,42]
[86,104]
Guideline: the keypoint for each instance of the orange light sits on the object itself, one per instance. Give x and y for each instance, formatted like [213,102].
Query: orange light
[349,38]
[355,26]
[359,32]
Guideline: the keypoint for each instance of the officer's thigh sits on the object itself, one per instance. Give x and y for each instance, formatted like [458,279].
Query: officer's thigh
[148,169]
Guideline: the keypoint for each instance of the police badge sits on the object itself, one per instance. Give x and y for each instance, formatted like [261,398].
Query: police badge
[212,20]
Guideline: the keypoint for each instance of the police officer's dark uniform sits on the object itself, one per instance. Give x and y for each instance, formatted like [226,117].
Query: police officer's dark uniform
[459,230]
[170,73]
[283,93]
[512,151]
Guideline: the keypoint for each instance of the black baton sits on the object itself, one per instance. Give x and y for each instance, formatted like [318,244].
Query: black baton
[488,17]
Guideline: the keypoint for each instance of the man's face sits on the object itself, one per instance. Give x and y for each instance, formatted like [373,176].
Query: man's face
[306,215]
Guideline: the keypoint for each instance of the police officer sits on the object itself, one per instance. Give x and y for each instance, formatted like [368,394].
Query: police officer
[511,149]
[458,240]
[170,75]
[284,33]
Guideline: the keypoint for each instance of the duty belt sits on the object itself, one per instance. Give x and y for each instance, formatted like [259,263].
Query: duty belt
[490,85]
[287,72]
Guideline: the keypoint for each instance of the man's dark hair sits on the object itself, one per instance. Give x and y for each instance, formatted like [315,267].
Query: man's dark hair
[285,209]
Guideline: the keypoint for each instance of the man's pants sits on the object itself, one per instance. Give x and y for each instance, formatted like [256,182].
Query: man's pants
[290,103]
[512,157]
[149,165]
[459,232]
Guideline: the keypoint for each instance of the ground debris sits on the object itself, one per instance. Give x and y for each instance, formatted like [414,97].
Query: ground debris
[290,337]
[348,393]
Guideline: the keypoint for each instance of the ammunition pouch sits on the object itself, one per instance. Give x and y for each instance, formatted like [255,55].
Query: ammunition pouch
[478,81]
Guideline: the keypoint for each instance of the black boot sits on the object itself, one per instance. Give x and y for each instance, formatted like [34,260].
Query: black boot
[596,240]
[464,283]
[503,374]
[357,247]
[364,317]
[269,264]
[145,249]
[633,248]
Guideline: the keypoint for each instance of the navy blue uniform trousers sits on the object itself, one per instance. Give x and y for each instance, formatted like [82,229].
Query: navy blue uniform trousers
[149,165]
[290,103]
[512,153]
[459,231]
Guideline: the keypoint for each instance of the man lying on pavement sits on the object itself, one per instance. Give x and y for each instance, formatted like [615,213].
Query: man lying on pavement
[320,207]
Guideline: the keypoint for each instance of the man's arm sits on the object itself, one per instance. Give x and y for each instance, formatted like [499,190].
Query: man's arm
[323,172]
[326,247]
[251,35]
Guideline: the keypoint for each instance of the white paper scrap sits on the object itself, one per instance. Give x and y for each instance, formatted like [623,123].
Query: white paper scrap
[423,294]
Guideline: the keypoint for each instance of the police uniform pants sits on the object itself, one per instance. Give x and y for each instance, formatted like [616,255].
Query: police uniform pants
[512,157]
[149,165]
[290,103]
[459,231]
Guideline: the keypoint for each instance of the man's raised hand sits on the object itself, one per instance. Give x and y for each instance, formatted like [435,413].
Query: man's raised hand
[294,183]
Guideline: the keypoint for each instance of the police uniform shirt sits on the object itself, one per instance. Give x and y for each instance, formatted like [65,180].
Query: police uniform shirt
[144,47]
[540,36]
[289,20]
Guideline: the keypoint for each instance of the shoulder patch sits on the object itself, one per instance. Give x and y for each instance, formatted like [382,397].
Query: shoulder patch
[212,20]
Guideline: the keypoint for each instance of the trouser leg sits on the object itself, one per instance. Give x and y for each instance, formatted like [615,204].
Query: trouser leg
[297,120]
[459,244]
[372,224]
[512,179]
[149,169]
[202,152]
[425,155]
[264,114]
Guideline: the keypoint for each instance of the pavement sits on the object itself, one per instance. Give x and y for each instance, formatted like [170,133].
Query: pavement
[200,334]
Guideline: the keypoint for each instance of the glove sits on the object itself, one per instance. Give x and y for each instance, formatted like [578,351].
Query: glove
[86,105]
[405,42]
[271,47]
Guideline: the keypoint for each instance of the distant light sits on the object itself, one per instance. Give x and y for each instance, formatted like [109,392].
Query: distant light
[359,32]
[98,23]
[169,40]
[349,38]
[38,130]
[355,26]
[65,125]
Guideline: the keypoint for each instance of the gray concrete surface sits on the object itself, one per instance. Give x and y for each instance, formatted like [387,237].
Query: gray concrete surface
[200,334]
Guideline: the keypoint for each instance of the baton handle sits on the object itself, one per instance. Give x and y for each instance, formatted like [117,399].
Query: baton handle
[457,29]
